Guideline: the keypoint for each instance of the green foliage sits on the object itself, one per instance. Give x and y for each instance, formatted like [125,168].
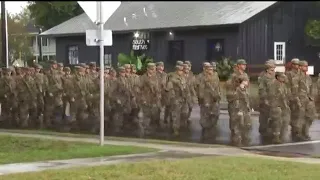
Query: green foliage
[225,68]
[48,14]
[140,61]
[312,29]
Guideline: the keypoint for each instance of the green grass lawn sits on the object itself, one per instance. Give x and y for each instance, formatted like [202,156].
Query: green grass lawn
[204,168]
[139,140]
[19,149]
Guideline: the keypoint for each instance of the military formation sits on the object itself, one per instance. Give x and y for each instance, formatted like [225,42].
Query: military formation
[64,100]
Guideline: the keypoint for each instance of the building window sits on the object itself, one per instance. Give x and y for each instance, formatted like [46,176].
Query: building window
[215,49]
[279,52]
[45,41]
[108,59]
[73,54]
[176,51]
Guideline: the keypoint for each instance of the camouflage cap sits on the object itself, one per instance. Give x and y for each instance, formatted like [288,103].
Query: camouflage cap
[121,69]
[187,62]
[205,64]
[127,66]
[160,63]
[67,69]
[241,61]
[179,63]
[151,65]
[92,64]
[53,62]
[303,63]
[280,74]
[295,61]
[60,64]
[179,67]
[82,65]
[269,64]
[78,67]
[185,65]
[107,67]
[38,66]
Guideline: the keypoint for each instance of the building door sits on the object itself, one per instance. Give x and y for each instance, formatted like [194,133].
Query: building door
[175,51]
[215,49]
[73,55]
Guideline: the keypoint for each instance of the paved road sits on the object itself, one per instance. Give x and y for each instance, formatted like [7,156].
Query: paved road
[224,132]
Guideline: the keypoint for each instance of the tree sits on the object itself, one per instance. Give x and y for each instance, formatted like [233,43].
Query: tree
[52,13]
[312,28]
[18,38]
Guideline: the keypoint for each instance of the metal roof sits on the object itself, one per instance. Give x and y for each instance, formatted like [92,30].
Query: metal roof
[167,14]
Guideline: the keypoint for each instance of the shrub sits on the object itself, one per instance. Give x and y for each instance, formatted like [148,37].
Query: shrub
[140,61]
[225,68]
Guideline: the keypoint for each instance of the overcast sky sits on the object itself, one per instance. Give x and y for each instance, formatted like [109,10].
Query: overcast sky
[15,6]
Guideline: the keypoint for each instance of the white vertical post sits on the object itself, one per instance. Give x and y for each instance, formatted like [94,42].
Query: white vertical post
[7,44]
[101,23]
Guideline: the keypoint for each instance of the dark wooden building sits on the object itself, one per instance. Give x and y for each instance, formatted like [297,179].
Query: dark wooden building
[198,32]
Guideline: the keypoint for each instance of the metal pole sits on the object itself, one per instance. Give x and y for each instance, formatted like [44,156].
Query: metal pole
[101,74]
[3,33]
[7,44]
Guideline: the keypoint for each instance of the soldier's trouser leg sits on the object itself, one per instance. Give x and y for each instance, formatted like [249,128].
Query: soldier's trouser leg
[295,121]
[82,114]
[285,124]
[6,115]
[176,117]
[235,124]
[310,115]
[23,114]
[263,119]
[276,123]
[33,114]
[58,110]
[205,122]
[184,116]
[167,114]
[215,113]
[117,120]
[40,112]
[94,118]
[246,128]
[144,123]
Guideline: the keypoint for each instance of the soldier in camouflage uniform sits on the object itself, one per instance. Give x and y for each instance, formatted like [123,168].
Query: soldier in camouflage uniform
[41,86]
[264,80]
[7,97]
[53,98]
[233,104]
[150,99]
[180,97]
[209,97]
[293,77]
[68,100]
[278,97]
[121,95]
[162,79]
[307,112]
[60,68]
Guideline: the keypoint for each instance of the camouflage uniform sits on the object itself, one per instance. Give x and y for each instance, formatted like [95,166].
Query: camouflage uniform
[7,97]
[238,107]
[307,112]
[293,77]
[150,99]
[180,97]
[41,85]
[278,97]
[68,100]
[209,97]
[162,79]
[264,80]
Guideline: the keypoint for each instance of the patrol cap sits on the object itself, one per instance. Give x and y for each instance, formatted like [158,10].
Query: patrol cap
[205,64]
[127,66]
[83,65]
[78,67]
[67,69]
[53,62]
[269,64]
[92,64]
[187,62]
[60,64]
[303,63]
[295,61]
[241,61]
[38,66]
[179,63]
[121,69]
[185,65]
[160,63]
[179,67]
[280,74]
[151,65]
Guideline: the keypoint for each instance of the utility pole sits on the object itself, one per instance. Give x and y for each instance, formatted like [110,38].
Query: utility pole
[3,33]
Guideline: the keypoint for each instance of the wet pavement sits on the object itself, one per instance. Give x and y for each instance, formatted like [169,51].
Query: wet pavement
[61,164]
[224,132]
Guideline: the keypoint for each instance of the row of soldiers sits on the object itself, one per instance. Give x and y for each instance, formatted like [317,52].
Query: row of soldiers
[61,99]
